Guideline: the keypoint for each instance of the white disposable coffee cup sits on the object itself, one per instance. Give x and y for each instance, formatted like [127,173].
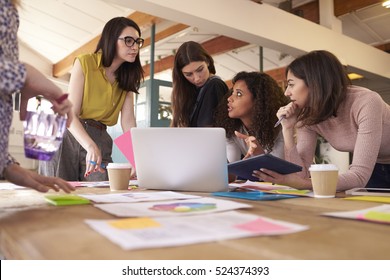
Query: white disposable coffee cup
[324,179]
[119,175]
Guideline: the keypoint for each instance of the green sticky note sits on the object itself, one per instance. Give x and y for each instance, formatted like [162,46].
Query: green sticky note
[377,216]
[66,199]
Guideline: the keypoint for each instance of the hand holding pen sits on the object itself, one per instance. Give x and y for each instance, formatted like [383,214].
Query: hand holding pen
[287,112]
[280,120]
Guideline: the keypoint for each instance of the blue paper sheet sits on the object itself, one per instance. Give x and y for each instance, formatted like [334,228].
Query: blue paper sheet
[254,195]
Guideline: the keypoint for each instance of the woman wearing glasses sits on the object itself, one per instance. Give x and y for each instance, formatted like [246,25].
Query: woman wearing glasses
[101,88]
[196,89]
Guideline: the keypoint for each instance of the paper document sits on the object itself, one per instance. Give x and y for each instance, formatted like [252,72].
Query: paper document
[254,195]
[97,184]
[10,186]
[378,214]
[171,208]
[269,188]
[262,186]
[136,196]
[146,232]
[90,184]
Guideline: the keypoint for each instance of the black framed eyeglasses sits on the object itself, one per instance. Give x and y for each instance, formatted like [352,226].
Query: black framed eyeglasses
[130,41]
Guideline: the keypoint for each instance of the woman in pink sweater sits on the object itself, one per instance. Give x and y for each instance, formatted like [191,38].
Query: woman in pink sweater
[351,118]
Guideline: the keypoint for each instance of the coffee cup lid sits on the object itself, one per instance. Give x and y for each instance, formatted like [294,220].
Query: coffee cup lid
[118,165]
[323,167]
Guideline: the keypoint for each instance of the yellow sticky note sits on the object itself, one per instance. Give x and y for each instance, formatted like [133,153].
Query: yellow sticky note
[381,199]
[134,223]
[293,192]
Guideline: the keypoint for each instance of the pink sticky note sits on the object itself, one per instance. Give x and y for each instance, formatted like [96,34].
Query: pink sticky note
[125,145]
[262,226]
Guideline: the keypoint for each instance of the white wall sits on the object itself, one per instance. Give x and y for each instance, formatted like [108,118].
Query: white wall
[29,56]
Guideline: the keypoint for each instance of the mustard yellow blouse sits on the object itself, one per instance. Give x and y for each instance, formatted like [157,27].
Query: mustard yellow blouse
[102,101]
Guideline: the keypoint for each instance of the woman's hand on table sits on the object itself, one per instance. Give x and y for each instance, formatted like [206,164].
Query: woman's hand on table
[27,178]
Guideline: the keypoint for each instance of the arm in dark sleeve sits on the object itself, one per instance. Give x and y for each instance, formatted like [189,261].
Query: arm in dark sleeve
[211,97]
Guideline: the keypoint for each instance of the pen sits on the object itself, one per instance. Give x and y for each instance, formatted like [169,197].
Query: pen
[280,120]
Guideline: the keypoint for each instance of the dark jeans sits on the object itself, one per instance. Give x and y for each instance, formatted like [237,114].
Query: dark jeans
[380,177]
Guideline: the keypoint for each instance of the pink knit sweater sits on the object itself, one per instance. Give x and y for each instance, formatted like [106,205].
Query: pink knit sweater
[362,126]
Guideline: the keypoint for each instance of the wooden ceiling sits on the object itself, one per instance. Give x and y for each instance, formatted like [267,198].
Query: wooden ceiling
[216,44]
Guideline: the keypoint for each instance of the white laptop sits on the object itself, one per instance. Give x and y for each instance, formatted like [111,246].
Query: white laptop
[180,159]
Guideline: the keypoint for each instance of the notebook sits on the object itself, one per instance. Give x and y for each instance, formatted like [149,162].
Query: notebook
[180,159]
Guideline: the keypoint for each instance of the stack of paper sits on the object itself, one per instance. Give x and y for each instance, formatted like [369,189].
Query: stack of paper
[146,232]
[162,219]
[378,214]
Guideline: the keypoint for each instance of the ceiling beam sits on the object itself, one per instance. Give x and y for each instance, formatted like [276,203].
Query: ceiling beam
[384,47]
[342,7]
[63,66]
[218,45]
[222,44]
[310,11]
[166,33]
[267,26]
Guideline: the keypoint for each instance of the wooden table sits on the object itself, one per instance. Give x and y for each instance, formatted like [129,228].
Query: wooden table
[30,228]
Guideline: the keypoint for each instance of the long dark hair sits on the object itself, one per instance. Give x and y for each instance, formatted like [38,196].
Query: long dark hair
[327,81]
[268,97]
[184,92]
[129,75]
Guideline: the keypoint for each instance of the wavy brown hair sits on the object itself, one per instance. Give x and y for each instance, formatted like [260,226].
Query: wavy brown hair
[129,75]
[183,92]
[327,81]
[268,97]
